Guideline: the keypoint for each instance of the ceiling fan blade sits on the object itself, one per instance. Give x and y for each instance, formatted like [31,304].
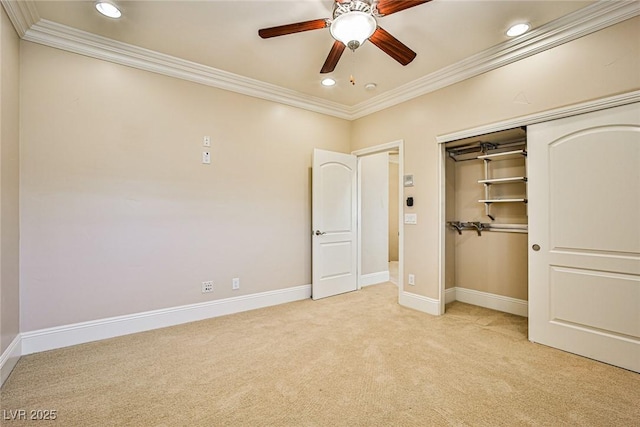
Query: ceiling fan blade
[334,56]
[298,27]
[392,46]
[387,7]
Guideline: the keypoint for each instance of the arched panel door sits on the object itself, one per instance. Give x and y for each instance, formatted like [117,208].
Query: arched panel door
[584,232]
[334,215]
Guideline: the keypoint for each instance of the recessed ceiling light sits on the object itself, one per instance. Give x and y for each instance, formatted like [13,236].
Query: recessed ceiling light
[108,9]
[370,86]
[518,30]
[328,82]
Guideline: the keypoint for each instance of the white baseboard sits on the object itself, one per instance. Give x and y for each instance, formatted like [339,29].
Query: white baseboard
[79,333]
[374,278]
[9,358]
[449,295]
[495,302]
[420,303]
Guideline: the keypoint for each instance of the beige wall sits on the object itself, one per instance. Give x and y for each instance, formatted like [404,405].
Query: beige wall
[495,262]
[9,180]
[595,66]
[450,215]
[119,215]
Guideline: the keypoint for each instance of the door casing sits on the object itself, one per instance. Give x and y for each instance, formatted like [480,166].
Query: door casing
[559,113]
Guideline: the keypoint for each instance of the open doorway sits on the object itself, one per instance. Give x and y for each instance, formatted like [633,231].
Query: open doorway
[379,213]
[394,219]
[485,213]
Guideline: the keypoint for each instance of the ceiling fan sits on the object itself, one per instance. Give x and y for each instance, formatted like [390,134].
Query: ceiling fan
[354,22]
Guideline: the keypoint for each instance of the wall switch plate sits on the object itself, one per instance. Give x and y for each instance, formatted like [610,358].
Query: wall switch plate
[235,283]
[411,218]
[412,280]
[206,157]
[207,286]
[206,141]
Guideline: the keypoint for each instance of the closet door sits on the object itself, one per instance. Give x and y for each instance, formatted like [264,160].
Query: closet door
[584,235]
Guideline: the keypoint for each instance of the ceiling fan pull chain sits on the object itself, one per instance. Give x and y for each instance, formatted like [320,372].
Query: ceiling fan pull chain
[352,65]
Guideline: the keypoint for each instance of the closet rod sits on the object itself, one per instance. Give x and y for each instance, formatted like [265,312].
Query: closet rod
[468,151]
[479,227]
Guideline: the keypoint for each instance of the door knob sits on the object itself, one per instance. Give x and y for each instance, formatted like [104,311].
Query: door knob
[536,247]
[320,233]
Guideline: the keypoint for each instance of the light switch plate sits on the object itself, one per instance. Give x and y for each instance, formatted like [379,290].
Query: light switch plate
[206,141]
[410,218]
[408,180]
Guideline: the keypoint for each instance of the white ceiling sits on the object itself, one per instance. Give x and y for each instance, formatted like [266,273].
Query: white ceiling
[224,35]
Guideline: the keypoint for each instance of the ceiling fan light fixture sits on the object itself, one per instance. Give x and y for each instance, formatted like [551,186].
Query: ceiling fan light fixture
[353,28]
[108,9]
[518,29]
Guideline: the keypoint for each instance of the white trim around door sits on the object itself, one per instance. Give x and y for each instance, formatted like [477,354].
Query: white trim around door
[544,116]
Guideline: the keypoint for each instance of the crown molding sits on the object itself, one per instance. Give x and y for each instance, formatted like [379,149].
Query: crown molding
[565,29]
[73,40]
[24,16]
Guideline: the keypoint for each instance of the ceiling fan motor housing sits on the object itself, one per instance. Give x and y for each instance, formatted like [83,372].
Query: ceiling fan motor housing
[353,6]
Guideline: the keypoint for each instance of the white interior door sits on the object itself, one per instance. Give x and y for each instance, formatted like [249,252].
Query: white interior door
[334,215]
[584,235]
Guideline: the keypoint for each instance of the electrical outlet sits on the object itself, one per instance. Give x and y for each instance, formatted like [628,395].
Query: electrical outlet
[206,141]
[412,279]
[235,284]
[206,157]
[207,287]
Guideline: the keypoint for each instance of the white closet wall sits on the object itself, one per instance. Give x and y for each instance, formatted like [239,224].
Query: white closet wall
[374,208]
[394,200]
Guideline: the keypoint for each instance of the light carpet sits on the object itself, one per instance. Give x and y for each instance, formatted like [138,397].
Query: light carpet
[357,359]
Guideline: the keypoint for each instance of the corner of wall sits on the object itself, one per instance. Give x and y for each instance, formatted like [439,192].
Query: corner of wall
[9,358]
[10,342]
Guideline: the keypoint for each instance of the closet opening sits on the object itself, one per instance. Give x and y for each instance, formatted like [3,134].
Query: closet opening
[486,225]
